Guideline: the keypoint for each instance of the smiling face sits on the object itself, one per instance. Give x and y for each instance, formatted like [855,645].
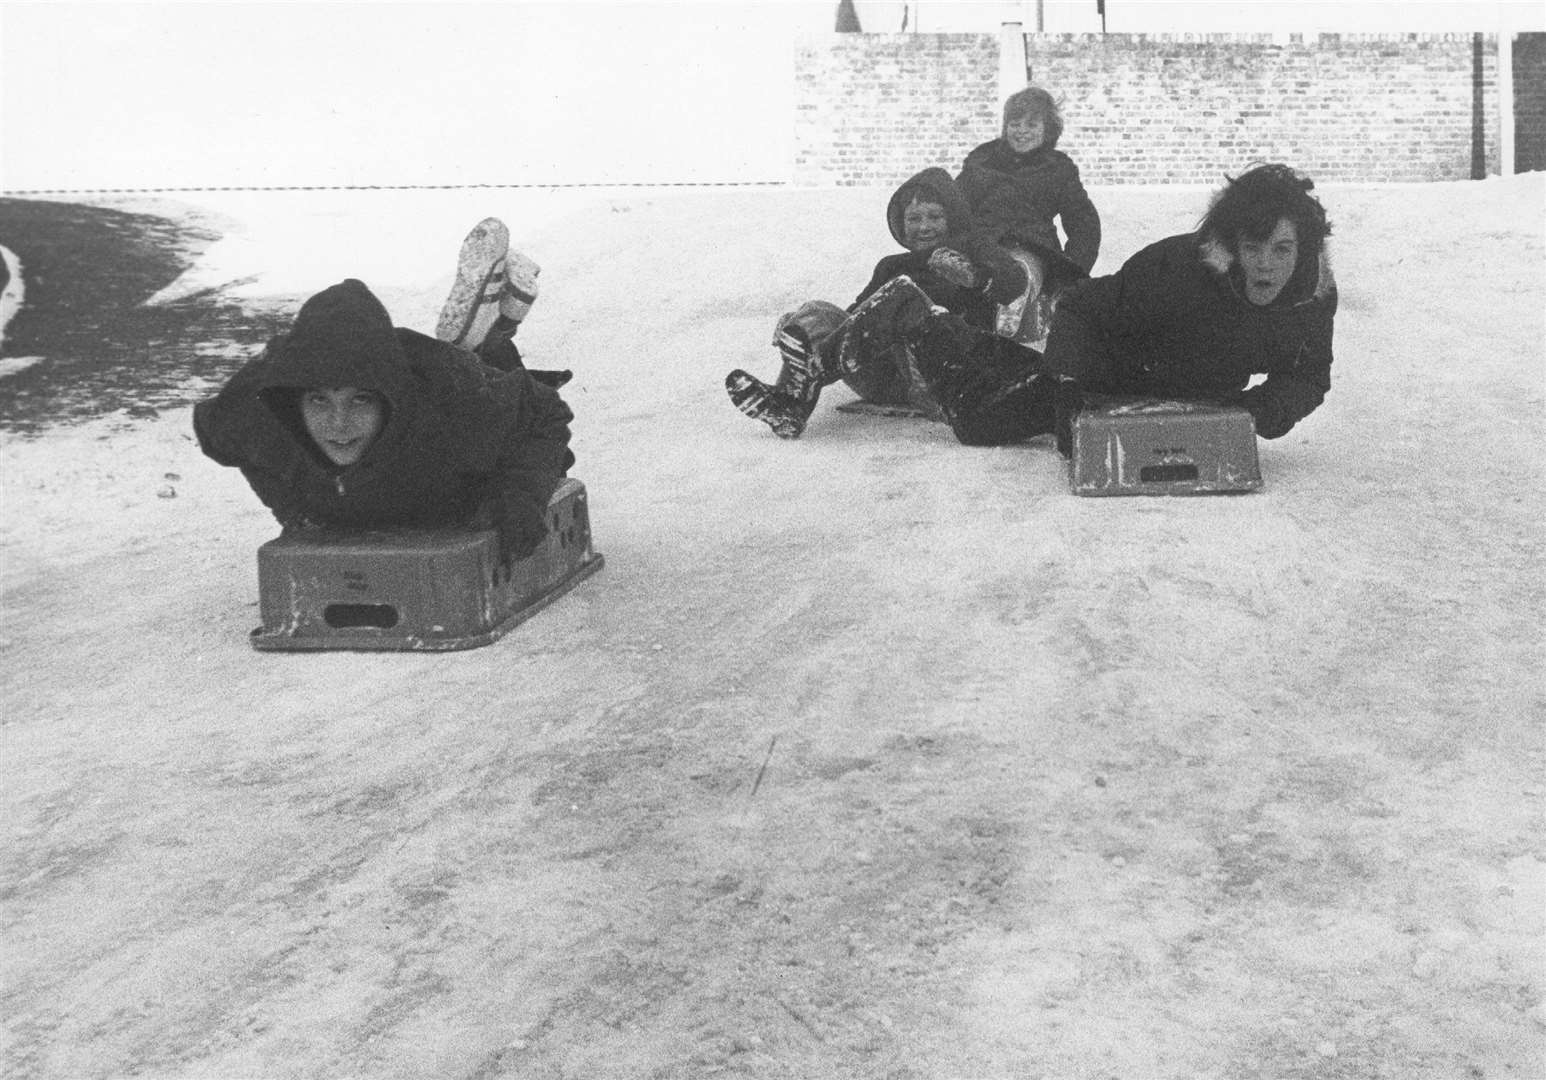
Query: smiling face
[924,225]
[342,420]
[1268,263]
[1026,133]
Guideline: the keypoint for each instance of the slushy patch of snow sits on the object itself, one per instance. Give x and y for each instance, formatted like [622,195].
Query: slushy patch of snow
[866,755]
[14,292]
[10,365]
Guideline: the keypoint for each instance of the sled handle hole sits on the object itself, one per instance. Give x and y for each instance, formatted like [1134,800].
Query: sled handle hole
[1160,473]
[341,616]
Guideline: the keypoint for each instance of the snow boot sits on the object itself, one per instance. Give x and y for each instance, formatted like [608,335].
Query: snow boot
[784,414]
[473,304]
[520,291]
[787,404]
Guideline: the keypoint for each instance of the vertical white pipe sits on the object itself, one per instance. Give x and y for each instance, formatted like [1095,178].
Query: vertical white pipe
[1011,59]
[1505,95]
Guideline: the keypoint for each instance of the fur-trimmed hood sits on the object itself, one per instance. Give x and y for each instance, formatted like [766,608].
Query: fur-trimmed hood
[1309,283]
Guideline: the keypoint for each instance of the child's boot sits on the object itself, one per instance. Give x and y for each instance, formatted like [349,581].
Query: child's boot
[787,404]
[517,295]
[757,399]
[520,291]
[472,308]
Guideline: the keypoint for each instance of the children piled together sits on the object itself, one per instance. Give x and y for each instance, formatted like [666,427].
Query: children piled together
[961,324]
[987,319]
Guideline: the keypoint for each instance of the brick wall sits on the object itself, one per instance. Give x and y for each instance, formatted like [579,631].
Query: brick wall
[876,108]
[1150,109]
[1530,102]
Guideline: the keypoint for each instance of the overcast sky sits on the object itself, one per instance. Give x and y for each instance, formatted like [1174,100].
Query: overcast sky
[134,95]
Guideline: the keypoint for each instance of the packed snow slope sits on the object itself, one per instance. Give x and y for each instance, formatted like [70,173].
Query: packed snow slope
[1221,787]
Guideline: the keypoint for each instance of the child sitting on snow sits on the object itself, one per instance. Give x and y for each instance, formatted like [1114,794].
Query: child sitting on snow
[820,343]
[1018,186]
[1192,317]
[347,422]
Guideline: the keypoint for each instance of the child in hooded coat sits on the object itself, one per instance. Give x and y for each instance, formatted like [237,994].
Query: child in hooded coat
[821,343]
[1191,317]
[459,442]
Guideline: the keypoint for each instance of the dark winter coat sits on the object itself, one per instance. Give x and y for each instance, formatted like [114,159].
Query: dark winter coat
[1017,199]
[461,443]
[1002,279]
[1174,322]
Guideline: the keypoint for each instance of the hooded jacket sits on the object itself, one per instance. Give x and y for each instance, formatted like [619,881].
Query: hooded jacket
[1002,278]
[1174,322]
[1017,197]
[461,442]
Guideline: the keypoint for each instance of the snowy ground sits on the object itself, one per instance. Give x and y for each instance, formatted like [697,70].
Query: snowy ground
[1231,787]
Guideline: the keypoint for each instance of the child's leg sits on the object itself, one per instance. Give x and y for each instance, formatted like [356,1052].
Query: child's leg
[879,382]
[787,404]
[498,351]
[873,351]
[1017,410]
[992,391]
[473,304]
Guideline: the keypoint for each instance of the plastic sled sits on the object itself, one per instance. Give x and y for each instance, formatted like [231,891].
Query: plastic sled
[1149,446]
[419,590]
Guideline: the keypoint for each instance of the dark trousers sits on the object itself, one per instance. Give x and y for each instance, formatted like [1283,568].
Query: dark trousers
[992,389]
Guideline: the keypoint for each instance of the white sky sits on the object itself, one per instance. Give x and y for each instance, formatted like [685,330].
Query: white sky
[205,94]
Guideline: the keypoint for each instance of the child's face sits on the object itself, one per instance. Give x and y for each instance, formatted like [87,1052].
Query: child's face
[924,225]
[1026,133]
[1268,263]
[342,420]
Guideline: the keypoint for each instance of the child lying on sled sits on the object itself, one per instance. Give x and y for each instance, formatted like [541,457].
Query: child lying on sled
[820,343]
[348,422]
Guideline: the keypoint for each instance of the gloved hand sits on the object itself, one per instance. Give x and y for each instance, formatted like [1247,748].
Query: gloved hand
[1270,424]
[555,379]
[953,267]
[518,529]
[519,536]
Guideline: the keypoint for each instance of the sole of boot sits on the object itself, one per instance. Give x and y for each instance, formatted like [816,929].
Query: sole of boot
[473,303]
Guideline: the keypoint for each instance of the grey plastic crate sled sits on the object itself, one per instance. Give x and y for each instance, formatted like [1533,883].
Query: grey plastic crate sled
[428,590]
